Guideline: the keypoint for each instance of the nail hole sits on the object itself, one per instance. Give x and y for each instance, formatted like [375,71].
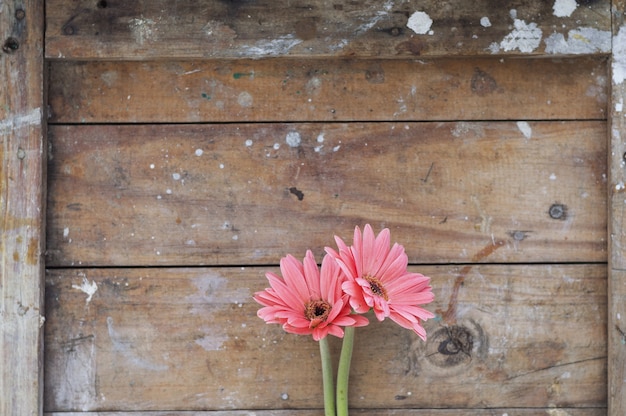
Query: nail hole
[10,45]
[20,14]
[558,211]
[102,4]
[68,30]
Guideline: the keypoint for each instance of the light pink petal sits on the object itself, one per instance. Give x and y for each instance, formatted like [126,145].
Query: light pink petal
[311,275]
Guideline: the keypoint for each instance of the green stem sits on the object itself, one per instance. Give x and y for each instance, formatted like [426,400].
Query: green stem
[327,378]
[343,372]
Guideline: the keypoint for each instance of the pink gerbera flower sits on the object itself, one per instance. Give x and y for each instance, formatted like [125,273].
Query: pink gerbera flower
[306,301]
[378,279]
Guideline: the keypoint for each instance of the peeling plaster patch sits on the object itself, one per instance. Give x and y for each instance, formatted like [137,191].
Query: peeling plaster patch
[212,342]
[584,40]
[524,37]
[89,288]
[619,106]
[619,56]
[484,21]
[564,8]
[525,128]
[273,47]
[420,23]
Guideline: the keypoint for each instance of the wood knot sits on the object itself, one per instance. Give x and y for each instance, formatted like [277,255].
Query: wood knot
[450,346]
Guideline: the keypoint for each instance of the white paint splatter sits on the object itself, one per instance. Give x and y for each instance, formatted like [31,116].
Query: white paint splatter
[89,288]
[66,232]
[272,47]
[199,152]
[176,176]
[151,165]
[276,146]
[525,128]
[245,99]
[584,40]
[33,118]
[420,23]
[249,143]
[619,106]
[564,8]
[142,29]
[293,139]
[377,17]
[485,22]
[524,37]
[552,177]
[618,63]
[212,342]
[127,349]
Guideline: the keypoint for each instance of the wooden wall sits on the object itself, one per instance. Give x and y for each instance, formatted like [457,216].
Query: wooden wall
[193,144]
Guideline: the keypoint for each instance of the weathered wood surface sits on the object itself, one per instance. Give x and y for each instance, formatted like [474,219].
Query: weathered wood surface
[22,163]
[189,339]
[328,90]
[568,411]
[114,29]
[240,194]
[617,236]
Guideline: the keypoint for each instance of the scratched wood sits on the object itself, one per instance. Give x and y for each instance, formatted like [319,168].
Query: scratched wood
[328,90]
[114,29]
[22,200]
[239,194]
[567,411]
[617,200]
[189,339]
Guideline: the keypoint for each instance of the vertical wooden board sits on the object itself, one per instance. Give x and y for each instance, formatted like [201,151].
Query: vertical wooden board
[189,339]
[617,215]
[328,90]
[115,29]
[21,206]
[241,194]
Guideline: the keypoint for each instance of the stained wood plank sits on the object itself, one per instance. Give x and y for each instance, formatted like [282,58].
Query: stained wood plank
[240,194]
[617,200]
[189,339]
[551,411]
[328,90]
[115,29]
[22,156]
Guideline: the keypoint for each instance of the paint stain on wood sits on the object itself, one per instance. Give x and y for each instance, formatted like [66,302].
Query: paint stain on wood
[482,83]
[449,315]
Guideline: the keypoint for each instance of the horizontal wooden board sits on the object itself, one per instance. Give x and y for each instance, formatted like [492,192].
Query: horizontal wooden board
[189,339]
[116,29]
[327,90]
[248,193]
[551,411]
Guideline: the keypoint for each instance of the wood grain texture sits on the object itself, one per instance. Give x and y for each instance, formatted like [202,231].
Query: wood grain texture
[115,29]
[189,339]
[328,90]
[617,241]
[22,156]
[551,411]
[241,194]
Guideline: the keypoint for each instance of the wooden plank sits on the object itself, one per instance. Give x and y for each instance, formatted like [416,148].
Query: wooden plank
[22,152]
[189,339]
[617,200]
[114,29]
[567,411]
[328,90]
[239,194]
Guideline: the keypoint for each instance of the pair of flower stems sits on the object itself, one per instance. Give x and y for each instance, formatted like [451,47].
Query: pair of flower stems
[338,407]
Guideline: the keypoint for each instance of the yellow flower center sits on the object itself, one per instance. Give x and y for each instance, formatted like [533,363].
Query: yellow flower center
[377,287]
[317,311]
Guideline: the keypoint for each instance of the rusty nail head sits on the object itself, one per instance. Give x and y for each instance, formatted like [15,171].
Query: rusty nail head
[557,211]
[10,45]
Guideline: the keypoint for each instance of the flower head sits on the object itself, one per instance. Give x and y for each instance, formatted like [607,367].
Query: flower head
[377,278]
[307,301]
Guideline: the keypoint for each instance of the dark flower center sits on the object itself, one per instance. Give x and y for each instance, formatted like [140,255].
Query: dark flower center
[377,287]
[317,311]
